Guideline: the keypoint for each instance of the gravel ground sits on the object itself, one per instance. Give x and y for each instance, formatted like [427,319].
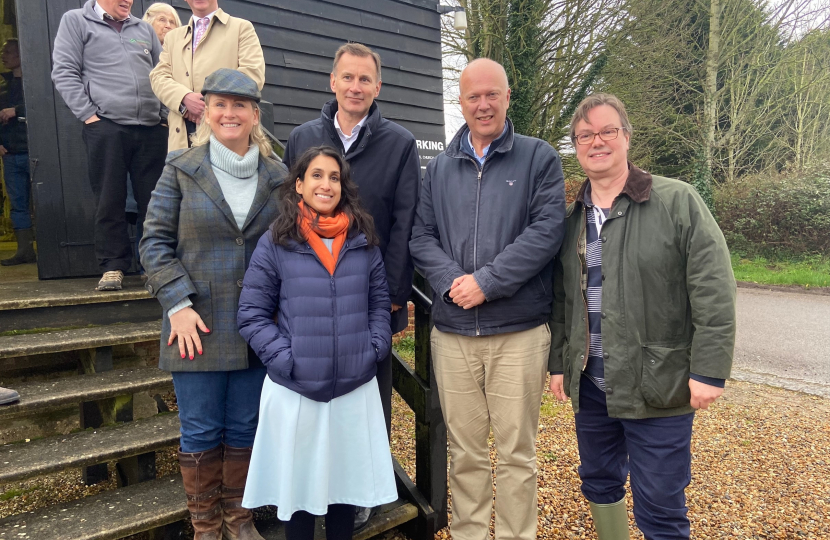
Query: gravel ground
[761,470]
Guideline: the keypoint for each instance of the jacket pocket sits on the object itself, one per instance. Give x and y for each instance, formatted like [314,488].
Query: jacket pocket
[283,365]
[665,382]
[542,285]
[203,305]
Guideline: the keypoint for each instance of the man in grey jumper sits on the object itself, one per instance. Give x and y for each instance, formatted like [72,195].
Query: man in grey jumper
[101,68]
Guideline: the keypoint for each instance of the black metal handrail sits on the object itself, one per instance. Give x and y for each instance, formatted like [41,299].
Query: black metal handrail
[276,144]
[417,388]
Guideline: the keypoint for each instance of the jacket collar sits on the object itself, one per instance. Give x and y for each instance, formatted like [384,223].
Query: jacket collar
[502,145]
[89,13]
[220,15]
[196,164]
[373,121]
[637,186]
[356,241]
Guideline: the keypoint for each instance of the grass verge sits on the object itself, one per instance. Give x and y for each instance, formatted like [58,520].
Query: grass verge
[809,272]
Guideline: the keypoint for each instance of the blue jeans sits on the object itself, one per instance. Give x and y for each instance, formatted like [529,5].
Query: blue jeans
[218,407]
[657,451]
[18,186]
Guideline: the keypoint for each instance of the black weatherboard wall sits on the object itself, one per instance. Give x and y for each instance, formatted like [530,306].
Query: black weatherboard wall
[299,38]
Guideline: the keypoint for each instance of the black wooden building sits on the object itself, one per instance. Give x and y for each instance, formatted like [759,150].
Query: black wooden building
[299,38]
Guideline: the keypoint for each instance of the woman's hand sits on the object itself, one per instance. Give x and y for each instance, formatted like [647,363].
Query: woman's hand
[184,324]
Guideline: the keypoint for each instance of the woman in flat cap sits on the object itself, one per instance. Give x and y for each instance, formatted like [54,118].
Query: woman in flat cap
[209,208]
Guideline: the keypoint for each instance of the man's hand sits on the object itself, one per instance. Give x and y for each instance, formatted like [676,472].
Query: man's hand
[466,293]
[3,150]
[7,114]
[92,119]
[703,394]
[183,325]
[395,307]
[195,104]
[557,386]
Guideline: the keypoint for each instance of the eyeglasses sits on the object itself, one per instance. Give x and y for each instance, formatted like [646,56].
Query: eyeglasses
[608,134]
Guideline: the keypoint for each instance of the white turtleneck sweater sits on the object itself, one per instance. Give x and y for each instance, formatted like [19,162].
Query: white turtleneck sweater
[237,176]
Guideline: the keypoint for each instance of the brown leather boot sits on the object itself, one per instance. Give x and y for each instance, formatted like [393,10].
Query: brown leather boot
[238,521]
[202,475]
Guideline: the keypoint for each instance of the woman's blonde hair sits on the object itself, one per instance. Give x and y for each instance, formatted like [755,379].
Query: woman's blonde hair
[258,137]
[154,10]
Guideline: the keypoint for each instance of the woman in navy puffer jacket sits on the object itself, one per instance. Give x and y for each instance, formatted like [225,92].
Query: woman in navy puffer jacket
[321,445]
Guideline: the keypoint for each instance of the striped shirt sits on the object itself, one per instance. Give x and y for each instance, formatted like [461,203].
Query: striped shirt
[595,217]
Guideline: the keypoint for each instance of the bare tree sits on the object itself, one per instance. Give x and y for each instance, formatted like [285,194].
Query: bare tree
[705,78]
[804,131]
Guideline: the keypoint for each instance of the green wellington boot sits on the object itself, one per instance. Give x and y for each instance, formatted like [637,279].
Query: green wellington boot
[610,520]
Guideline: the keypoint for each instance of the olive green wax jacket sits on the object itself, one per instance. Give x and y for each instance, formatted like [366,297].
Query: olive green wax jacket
[668,298]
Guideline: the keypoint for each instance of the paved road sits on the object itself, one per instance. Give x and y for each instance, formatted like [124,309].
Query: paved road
[783,340]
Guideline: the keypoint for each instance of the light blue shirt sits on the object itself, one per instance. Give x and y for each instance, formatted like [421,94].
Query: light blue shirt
[347,140]
[486,149]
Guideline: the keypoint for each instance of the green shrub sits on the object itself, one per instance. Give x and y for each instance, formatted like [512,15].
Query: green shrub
[775,216]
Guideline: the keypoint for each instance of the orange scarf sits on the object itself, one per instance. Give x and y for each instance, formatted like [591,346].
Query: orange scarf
[336,226]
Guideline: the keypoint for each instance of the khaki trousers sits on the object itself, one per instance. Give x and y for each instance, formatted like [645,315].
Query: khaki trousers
[483,382]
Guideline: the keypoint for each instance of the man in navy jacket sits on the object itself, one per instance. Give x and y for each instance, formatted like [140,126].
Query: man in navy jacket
[384,162]
[490,219]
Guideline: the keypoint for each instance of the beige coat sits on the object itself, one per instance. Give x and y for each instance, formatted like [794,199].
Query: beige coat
[229,42]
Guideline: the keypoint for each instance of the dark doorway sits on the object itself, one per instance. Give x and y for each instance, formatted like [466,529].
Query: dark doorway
[298,39]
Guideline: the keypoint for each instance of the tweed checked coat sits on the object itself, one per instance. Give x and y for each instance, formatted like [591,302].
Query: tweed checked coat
[229,42]
[192,247]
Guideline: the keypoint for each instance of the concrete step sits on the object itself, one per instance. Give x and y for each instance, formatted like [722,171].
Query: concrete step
[28,305]
[66,292]
[43,396]
[133,509]
[78,339]
[106,516]
[43,456]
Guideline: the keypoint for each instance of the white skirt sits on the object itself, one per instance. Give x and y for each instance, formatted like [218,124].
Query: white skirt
[308,455]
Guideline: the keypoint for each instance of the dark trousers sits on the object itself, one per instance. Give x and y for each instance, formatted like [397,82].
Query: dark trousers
[113,151]
[656,451]
[218,407]
[339,523]
[384,377]
[18,188]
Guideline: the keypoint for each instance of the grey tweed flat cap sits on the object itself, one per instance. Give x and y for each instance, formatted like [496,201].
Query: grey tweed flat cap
[231,82]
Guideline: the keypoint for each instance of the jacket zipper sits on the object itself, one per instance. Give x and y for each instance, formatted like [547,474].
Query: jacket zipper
[334,312]
[475,229]
[334,336]
[135,81]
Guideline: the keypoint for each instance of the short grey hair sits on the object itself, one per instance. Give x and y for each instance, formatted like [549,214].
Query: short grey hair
[356,49]
[595,100]
[156,9]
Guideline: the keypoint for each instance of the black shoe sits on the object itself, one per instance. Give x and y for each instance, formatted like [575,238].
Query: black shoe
[362,516]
